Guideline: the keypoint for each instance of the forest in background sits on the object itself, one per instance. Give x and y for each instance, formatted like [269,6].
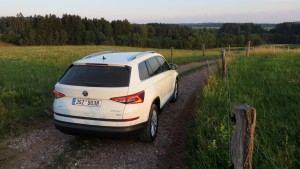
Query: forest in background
[74,30]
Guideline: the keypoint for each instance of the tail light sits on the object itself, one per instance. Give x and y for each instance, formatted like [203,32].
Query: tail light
[130,99]
[58,94]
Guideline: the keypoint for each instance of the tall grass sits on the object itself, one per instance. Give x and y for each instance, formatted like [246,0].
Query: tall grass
[271,84]
[28,76]
[274,49]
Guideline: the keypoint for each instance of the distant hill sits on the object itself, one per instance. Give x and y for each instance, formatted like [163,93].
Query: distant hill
[217,25]
[202,25]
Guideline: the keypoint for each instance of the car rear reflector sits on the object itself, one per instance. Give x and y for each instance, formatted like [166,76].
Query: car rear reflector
[132,119]
[130,99]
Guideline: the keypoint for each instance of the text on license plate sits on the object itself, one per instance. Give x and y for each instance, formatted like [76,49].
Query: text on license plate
[86,102]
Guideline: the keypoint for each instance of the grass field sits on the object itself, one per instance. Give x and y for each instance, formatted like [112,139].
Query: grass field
[28,76]
[268,82]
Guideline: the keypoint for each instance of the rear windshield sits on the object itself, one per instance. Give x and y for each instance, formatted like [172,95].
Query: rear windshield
[96,76]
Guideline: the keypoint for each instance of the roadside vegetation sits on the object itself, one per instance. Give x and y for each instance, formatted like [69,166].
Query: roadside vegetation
[269,82]
[28,76]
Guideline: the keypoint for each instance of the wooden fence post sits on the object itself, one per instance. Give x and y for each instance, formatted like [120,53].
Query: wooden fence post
[224,67]
[243,140]
[208,67]
[288,48]
[203,49]
[172,54]
[248,48]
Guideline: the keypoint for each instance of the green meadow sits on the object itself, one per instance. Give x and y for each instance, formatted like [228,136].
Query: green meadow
[269,82]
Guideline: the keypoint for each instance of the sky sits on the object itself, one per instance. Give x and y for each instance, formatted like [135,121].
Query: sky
[162,11]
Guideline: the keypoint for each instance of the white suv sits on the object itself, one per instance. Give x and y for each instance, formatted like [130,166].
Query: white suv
[115,92]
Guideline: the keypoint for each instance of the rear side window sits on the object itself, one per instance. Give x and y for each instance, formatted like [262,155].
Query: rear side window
[143,71]
[97,76]
[156,69]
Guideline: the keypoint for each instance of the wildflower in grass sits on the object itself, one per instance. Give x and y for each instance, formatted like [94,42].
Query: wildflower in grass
[212,145]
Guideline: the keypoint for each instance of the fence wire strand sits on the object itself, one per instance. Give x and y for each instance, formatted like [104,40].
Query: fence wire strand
[229,121]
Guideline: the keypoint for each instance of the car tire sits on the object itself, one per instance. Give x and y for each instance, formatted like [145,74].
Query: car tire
[149,133]
[175,93]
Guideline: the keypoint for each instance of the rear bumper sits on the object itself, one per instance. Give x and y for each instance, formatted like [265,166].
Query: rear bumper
[74,128]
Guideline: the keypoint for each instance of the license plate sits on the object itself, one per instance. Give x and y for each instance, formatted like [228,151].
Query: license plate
[86,102]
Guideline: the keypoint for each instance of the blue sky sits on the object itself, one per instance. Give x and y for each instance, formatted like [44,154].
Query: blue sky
[162,11]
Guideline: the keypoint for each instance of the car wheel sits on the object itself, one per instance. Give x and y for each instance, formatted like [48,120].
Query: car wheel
[175,93]
[149,133]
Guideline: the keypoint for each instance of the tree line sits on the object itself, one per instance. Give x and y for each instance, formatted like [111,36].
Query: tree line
[74,30]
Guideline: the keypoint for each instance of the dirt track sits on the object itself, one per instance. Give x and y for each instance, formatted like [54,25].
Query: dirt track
[48,148]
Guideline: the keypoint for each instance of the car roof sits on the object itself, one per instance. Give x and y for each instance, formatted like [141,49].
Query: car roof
[112,57]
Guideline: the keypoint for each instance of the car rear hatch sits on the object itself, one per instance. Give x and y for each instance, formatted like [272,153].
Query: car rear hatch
[87,91]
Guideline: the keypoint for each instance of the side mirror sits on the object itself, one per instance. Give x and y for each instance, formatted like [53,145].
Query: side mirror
[173,66]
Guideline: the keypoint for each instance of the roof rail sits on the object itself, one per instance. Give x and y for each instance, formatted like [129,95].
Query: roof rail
[139,55]
[99,53]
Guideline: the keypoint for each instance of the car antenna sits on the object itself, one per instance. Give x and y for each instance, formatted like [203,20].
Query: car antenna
[103,58]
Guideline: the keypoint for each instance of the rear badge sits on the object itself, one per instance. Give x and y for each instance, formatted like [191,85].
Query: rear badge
[85,93]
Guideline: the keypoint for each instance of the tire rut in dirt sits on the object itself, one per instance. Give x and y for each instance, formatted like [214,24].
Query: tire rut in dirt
[176,151]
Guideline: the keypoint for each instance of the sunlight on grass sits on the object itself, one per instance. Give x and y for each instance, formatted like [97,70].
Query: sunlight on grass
[271,84]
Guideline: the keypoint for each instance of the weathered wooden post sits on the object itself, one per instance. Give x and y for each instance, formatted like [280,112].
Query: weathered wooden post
[229,48]
[288,48]
[243,140]
[224,69]
[248,48]
[203,49]
[172,54]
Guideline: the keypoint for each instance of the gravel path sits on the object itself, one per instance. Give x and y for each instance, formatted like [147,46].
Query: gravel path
[48,148]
